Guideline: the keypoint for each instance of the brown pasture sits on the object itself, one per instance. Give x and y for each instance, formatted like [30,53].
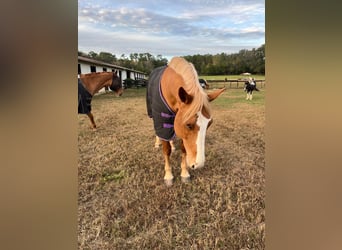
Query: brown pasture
[123,202]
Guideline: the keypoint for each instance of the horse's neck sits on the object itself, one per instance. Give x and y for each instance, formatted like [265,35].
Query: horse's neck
[170,85]
[93,84]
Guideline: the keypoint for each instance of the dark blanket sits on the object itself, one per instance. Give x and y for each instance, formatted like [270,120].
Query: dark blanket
[157,108]
[250,87]
[84,99]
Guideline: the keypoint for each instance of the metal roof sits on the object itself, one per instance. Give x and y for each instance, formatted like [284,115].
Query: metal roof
[92,61]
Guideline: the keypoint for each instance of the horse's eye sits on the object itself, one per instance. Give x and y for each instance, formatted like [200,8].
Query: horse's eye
[189,126]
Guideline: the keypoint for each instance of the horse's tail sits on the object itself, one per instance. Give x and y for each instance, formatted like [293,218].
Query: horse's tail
[256,89]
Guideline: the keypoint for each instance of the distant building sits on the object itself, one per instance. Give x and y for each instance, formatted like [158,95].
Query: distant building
[87,65]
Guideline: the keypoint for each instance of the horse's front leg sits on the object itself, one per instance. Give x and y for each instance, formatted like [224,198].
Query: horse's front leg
[173,147]
[184,173]
[91,117]
[157,142]
[168,178]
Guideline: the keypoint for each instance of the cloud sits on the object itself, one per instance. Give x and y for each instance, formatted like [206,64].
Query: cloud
[132,27]
[141,20]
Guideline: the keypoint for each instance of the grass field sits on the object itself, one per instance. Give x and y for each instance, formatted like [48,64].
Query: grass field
[124,203]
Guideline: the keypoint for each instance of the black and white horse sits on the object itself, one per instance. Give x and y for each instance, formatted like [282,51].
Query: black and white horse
[250,86]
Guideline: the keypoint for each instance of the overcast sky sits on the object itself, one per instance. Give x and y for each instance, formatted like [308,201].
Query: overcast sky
[170,28]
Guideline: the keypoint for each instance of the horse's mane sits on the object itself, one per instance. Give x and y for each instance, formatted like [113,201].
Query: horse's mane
[191,86]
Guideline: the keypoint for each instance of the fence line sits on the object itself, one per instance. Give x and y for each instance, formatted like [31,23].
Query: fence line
[233,84]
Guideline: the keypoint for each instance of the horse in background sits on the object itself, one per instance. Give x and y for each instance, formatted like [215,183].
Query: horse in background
[89,84]
[179,106]
[250,86]
[203,83]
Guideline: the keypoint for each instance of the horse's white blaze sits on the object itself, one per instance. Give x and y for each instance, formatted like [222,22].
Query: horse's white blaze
[202,122]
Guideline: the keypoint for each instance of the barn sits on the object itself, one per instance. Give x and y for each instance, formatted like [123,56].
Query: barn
[88,65]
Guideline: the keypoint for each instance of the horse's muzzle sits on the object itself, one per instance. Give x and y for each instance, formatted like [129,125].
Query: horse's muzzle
[197,165]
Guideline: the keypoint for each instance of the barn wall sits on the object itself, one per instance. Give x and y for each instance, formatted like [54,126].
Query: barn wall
[86,68]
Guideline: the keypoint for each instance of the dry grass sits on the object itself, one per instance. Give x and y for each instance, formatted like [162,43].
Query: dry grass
[124,203]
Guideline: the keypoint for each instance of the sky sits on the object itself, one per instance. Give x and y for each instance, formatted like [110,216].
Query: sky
[170,28]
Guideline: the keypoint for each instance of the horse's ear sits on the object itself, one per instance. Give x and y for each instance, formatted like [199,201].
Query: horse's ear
[183,96]
[213,95]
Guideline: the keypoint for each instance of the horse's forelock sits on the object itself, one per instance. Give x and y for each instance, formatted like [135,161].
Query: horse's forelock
[197,105]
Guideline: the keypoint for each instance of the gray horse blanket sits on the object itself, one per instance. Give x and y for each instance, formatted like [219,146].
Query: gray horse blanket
[84,99]
[157,108]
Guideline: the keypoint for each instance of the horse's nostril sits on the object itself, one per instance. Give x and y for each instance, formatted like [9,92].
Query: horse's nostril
[193,166]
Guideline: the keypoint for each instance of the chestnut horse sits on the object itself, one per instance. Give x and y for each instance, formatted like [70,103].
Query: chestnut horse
[179,106]
[89,84]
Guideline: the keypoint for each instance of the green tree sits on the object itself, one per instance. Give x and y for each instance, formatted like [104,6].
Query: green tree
[106,57]
[252,61]
[92,55]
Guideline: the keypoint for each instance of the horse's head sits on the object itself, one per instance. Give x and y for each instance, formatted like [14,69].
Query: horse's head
[191,123]
[116,84]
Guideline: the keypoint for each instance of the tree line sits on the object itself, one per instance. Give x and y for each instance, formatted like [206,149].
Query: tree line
[252,61]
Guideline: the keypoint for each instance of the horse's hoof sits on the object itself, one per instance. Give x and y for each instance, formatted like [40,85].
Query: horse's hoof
[186,179]
[168,183]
